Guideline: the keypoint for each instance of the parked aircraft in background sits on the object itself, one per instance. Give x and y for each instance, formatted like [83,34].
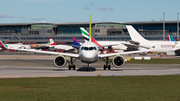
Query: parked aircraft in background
[116,45]
[61,47]
[168,47]
[88,53]
[18,46]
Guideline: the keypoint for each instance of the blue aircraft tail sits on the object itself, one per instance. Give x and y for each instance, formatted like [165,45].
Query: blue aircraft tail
[76,43]
[170,38]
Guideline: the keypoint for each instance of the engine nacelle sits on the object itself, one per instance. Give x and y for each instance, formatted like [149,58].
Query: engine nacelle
[118,61]
[60,61]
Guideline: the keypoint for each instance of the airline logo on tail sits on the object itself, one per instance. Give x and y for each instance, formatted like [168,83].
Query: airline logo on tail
[86,36]
[170,38]
[51,41]
[3,45]
[76,43]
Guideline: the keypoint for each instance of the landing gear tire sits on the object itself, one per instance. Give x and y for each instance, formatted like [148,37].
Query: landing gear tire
[109,67]
[69,67]
[74,67]
[104,67]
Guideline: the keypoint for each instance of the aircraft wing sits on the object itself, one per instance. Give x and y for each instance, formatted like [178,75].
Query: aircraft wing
[108,45]
[114,54]
[123,53]
[129,45]
[49,52]
[132,45]
[63,47]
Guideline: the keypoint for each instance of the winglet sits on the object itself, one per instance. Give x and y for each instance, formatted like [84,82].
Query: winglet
[51,41]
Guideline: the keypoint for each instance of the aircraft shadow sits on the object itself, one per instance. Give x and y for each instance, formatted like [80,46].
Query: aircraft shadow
[87,69]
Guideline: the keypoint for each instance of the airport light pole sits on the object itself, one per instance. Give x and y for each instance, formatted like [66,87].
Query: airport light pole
[163,26]
[177,26]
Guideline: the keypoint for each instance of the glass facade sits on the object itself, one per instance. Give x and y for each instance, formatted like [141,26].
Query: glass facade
[11,28]
[65,32]
[170,27]
[70,29]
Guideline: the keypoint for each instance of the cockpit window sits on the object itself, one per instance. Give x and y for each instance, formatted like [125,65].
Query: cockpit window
[85,48]
[88,48]
[82,48]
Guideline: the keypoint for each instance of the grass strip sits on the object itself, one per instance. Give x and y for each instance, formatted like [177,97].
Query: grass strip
[117,88]
[155,61]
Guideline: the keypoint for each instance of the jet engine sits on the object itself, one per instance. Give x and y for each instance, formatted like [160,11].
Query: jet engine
[60,61]
[118,61]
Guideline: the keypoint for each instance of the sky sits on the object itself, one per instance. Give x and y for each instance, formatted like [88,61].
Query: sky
[72,11]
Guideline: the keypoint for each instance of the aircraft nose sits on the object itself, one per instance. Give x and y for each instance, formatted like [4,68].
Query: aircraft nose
[88,56]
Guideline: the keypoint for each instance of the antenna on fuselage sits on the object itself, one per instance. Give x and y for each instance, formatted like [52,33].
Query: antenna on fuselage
[90,29]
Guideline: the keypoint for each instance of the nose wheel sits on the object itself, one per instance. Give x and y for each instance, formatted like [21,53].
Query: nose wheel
[88,67]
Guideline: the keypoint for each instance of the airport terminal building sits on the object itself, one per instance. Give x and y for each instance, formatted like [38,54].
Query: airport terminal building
[64,32]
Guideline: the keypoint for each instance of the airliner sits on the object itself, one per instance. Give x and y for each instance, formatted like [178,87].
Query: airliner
[88,53]
[62,47]
[18,46]
[168,47]
[116,45]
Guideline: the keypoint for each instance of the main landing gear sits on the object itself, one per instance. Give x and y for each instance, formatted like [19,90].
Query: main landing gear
[71,65]
[107,63]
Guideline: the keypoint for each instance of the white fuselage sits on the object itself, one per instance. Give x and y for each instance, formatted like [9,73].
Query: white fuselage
[19,46]
[89,52]
[62,47]
[163,46]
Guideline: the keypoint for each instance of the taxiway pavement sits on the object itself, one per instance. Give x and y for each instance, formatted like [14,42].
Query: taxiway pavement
[33,65]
